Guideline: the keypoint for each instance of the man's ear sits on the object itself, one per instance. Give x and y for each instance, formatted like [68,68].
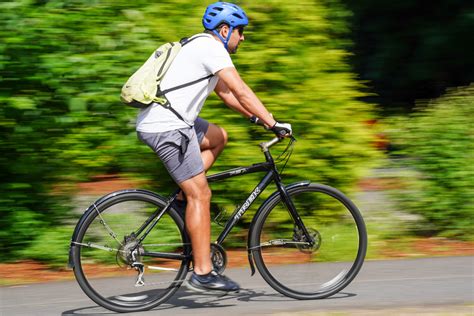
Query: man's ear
[224,31]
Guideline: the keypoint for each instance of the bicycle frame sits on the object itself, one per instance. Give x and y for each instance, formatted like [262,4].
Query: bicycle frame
[272,175]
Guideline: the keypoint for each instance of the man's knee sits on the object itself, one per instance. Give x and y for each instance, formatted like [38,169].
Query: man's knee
[225,137]
[202,194]
[222,140]
[197,189]
[215,138]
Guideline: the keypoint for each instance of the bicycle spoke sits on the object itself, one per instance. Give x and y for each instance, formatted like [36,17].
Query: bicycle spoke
[109,230]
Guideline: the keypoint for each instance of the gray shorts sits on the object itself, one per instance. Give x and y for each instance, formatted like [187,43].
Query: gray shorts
[179,150]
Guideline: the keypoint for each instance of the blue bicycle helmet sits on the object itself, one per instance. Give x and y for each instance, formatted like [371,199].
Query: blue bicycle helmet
[224,12]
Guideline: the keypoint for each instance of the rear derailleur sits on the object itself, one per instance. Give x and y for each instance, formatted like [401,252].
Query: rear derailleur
[129,253]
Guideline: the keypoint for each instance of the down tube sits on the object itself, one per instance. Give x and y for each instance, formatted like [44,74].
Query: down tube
[238,213]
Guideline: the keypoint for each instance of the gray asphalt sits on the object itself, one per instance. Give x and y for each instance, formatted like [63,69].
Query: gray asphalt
[381,285]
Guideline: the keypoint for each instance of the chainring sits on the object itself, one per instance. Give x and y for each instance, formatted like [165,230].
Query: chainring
[218,258]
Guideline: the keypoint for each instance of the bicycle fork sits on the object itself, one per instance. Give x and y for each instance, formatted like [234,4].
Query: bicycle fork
[293,213]
[282,191]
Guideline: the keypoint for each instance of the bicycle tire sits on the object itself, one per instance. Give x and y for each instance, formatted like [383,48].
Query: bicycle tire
[112,285]
[304,272]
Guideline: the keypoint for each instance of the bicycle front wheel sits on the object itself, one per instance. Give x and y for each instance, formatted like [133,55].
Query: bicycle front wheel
[117,270]
[314,268]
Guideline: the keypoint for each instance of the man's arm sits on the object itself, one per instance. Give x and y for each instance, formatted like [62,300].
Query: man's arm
[229,99]
[236,94]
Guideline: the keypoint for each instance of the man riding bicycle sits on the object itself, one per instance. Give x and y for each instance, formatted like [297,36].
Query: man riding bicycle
[189,145]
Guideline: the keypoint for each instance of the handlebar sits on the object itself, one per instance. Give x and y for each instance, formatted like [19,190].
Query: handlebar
[266,145]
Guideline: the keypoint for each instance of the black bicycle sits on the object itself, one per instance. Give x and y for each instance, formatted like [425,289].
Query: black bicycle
[307,240]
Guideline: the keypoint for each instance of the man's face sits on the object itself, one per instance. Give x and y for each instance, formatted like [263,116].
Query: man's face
[235,39]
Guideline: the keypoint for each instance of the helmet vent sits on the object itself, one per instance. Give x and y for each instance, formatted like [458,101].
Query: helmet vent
[218,8]
[237,15]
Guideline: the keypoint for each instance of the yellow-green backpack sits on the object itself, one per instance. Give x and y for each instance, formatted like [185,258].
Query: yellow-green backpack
[143,87]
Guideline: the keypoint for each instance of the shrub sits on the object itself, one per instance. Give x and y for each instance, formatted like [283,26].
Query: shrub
[437,143]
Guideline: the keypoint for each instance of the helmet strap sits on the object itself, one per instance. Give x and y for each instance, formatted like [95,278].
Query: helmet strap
[224,41]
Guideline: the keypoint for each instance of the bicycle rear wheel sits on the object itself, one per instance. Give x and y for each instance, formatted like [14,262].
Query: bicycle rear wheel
[301,269]
[109,257]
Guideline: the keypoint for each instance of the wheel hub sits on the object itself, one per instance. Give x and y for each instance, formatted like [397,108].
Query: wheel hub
[129,253]
[314,243]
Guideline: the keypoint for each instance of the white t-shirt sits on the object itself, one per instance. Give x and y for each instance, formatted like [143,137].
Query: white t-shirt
[197,59]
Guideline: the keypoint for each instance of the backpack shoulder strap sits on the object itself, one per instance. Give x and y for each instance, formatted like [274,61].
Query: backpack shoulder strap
[187,40]
[183,42]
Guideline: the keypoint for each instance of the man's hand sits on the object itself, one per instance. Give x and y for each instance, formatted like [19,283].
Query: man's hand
[282,129]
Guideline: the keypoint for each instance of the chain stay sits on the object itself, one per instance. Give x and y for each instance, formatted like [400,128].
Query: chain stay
[91,245]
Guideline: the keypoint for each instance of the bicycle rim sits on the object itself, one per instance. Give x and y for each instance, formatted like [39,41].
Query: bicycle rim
[108,252]
[314,270]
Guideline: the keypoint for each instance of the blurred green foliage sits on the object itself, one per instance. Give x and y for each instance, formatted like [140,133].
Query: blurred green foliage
[437,146]
[62,66]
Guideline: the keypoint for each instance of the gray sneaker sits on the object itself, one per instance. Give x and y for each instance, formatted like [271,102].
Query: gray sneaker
[212,282]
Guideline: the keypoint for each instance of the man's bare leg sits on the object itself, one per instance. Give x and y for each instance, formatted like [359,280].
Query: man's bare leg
[211,146]
[198,220]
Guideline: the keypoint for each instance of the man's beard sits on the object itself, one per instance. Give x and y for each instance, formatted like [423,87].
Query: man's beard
[233,51]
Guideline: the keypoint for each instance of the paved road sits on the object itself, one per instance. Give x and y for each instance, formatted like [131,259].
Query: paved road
[381,285]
